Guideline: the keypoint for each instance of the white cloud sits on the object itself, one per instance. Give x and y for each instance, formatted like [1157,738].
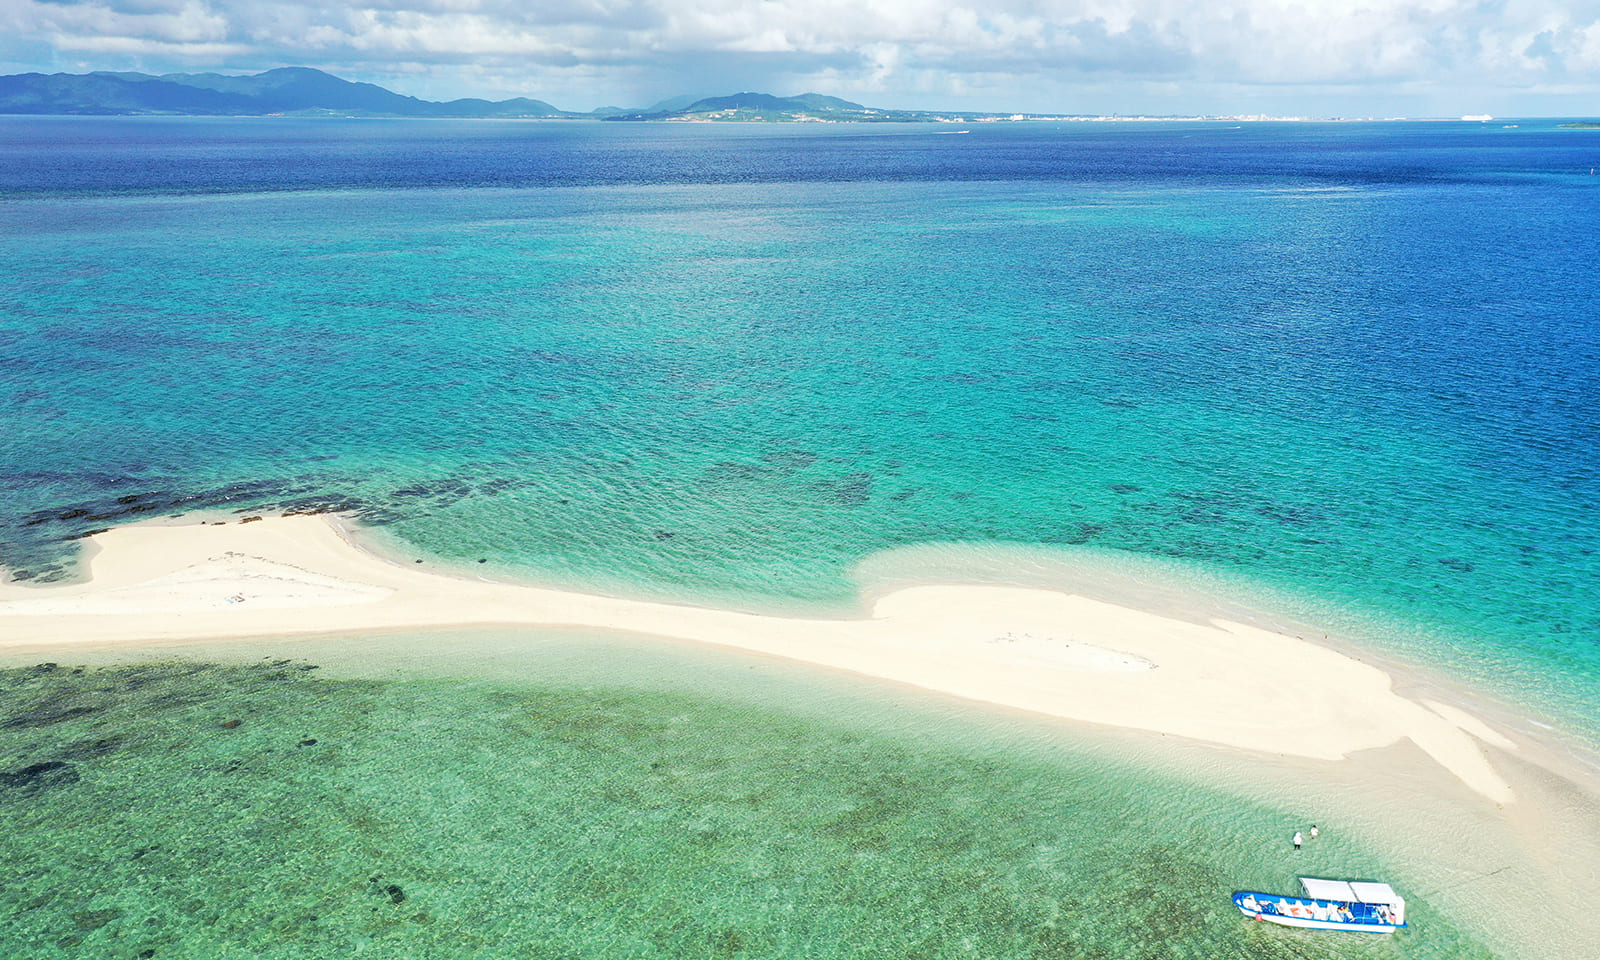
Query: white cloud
[1019,52]
[171,24]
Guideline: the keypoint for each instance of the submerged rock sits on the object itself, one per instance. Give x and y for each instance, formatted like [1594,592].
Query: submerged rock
[40,776]
[46,714]
[391,890]
[91,748]
[849,491]
[91,920]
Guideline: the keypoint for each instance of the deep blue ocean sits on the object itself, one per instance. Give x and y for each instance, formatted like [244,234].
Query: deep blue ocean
[1351,369]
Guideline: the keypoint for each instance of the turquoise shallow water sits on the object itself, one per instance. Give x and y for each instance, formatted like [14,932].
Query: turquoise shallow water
[265,809]
[1353,363]
[1347,370]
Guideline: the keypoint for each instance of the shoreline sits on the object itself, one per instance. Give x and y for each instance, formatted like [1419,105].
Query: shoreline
[1063,655]
[1499,826]
[1157,585]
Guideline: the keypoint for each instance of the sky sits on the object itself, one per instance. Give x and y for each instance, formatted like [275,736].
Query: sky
[1350,58]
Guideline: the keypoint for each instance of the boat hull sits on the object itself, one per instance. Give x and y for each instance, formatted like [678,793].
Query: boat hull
[1313,914]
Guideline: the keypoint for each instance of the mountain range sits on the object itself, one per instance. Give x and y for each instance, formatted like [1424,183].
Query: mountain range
[302,91]
[290,90]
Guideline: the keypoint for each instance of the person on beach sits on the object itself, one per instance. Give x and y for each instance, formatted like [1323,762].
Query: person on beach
[1314,831]
[1297,840]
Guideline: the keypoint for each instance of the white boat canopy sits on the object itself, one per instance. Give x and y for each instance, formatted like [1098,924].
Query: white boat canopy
[1328,889]
[1355,891]
[1369,892]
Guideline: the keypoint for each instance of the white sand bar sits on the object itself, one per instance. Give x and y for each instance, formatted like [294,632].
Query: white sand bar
[1049,652]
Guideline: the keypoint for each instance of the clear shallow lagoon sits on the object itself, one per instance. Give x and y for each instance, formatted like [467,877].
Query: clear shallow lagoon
[1349,367]
[584,797]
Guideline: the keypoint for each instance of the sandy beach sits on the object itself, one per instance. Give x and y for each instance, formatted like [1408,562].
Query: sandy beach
[1051,653]
[1504,824]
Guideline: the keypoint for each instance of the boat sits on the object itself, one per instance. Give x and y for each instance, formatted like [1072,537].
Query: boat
[1357,906]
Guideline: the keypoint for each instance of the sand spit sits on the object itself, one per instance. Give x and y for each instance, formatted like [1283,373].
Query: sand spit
[1043,651]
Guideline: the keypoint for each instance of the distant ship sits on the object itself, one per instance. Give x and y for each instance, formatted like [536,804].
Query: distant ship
[1356,906]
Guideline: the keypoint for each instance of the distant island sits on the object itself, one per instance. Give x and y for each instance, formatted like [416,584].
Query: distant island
[810,107]
[307,92]
[293,91]
[304,92]
[1581,125]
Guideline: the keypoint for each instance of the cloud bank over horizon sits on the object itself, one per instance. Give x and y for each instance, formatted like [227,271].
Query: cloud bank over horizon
[1284,57]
